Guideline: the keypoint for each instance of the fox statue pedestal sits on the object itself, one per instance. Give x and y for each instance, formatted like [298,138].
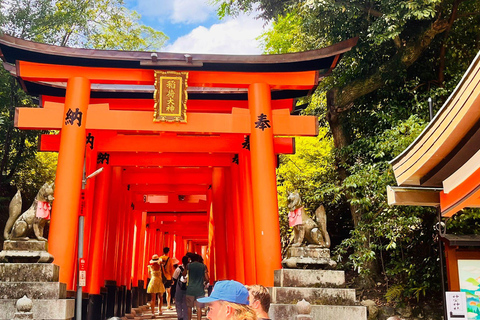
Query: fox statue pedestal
[22,274]
[39,282]
[310,257]
[18,251]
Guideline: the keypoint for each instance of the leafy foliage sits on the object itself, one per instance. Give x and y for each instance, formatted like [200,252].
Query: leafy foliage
[407,52]
[99,24]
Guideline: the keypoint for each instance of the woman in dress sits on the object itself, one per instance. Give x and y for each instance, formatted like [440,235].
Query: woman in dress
[156,284]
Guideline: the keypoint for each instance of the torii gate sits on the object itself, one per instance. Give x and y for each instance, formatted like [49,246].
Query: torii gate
[207,184]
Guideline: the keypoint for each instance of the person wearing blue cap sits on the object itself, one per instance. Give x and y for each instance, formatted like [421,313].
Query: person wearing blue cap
[229,300]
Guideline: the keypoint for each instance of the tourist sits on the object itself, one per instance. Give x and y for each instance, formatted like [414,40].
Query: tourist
[155,285]
[229,300]
[168,268]
[259,300]
[197,276]
[180,289]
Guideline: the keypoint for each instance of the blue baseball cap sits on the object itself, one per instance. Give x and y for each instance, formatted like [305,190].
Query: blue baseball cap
[227,290]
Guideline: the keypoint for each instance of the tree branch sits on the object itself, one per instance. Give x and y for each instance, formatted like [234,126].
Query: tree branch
[345,96]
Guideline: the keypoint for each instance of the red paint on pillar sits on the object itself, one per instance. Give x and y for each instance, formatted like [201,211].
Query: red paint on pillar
[218,196]
[247,217]
[210,261]
[95,279]
[264,184]
[90,166]
[237,226]
[142,263]
[68,182]
[229,227]
[120,236]
[112,222]
[130,242]
[138,244]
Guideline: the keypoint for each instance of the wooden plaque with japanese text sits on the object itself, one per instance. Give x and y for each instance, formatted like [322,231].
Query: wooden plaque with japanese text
[170,96]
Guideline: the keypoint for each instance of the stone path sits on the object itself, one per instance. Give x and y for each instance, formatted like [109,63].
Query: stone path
[166,315]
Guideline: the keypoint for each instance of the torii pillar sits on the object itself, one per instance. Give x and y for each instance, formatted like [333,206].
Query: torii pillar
[68,184]
[264,184]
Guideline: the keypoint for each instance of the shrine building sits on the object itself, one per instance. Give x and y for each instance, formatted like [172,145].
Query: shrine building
[188,144]
[441,168]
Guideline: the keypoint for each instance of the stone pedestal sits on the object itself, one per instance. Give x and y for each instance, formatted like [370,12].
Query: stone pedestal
[31,251]
[321,288]
[38,282]
[311,257]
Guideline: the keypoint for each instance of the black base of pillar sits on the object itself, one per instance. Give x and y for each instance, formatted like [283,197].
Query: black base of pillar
[141,294]
[95,306]
[104,303]
[111,297]
[128,301]
[120,310]
[84,308]
[134,297]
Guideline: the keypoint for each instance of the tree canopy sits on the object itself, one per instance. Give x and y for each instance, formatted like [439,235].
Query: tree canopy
[98,24]
[374,105]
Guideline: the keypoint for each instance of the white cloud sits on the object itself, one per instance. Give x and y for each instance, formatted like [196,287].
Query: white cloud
[234,36]
[176,11]
[191,11]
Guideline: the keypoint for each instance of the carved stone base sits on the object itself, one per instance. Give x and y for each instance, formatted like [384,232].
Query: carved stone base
[308,257]
[31,251]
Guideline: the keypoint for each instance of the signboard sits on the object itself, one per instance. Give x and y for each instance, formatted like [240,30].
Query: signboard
[82,203]
[82,273]
[456,305]
[469,278]
[170,96]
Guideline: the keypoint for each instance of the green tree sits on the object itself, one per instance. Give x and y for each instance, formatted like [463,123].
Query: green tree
[99,24]
[374,105]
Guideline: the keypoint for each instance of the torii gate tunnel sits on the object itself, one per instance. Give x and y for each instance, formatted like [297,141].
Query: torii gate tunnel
[204,182]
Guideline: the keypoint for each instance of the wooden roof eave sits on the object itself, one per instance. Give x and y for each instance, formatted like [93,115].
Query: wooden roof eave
[453,121]
[12,49]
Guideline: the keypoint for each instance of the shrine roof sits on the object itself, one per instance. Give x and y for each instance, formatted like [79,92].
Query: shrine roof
[449,140]
[13,49]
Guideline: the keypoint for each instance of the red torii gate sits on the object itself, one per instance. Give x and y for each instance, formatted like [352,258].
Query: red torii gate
[102,104]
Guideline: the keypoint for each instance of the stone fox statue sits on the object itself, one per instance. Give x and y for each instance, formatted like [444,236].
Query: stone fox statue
[31,222]
[304,227]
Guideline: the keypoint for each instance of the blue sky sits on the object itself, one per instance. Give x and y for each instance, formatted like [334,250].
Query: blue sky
[193,27]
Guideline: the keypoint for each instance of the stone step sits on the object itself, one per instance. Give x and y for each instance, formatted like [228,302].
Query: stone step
[316,296]
[326,312]
[31,272]
[308,278]
[35,290]
[42,309]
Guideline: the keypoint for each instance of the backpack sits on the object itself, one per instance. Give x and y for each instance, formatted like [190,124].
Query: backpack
[164,278]
[181,279]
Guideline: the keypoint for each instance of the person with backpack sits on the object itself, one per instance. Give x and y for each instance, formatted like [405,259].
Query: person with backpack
[181,289]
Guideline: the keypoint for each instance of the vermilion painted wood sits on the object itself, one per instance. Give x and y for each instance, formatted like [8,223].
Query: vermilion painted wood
[33,71]
[168,207]
[204,178]
[238,238]
[247,217]
[68,182]
[95,259]
[218,204]
[169,143]
[217,106]
[101,118]
[465,194]
[264,186]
